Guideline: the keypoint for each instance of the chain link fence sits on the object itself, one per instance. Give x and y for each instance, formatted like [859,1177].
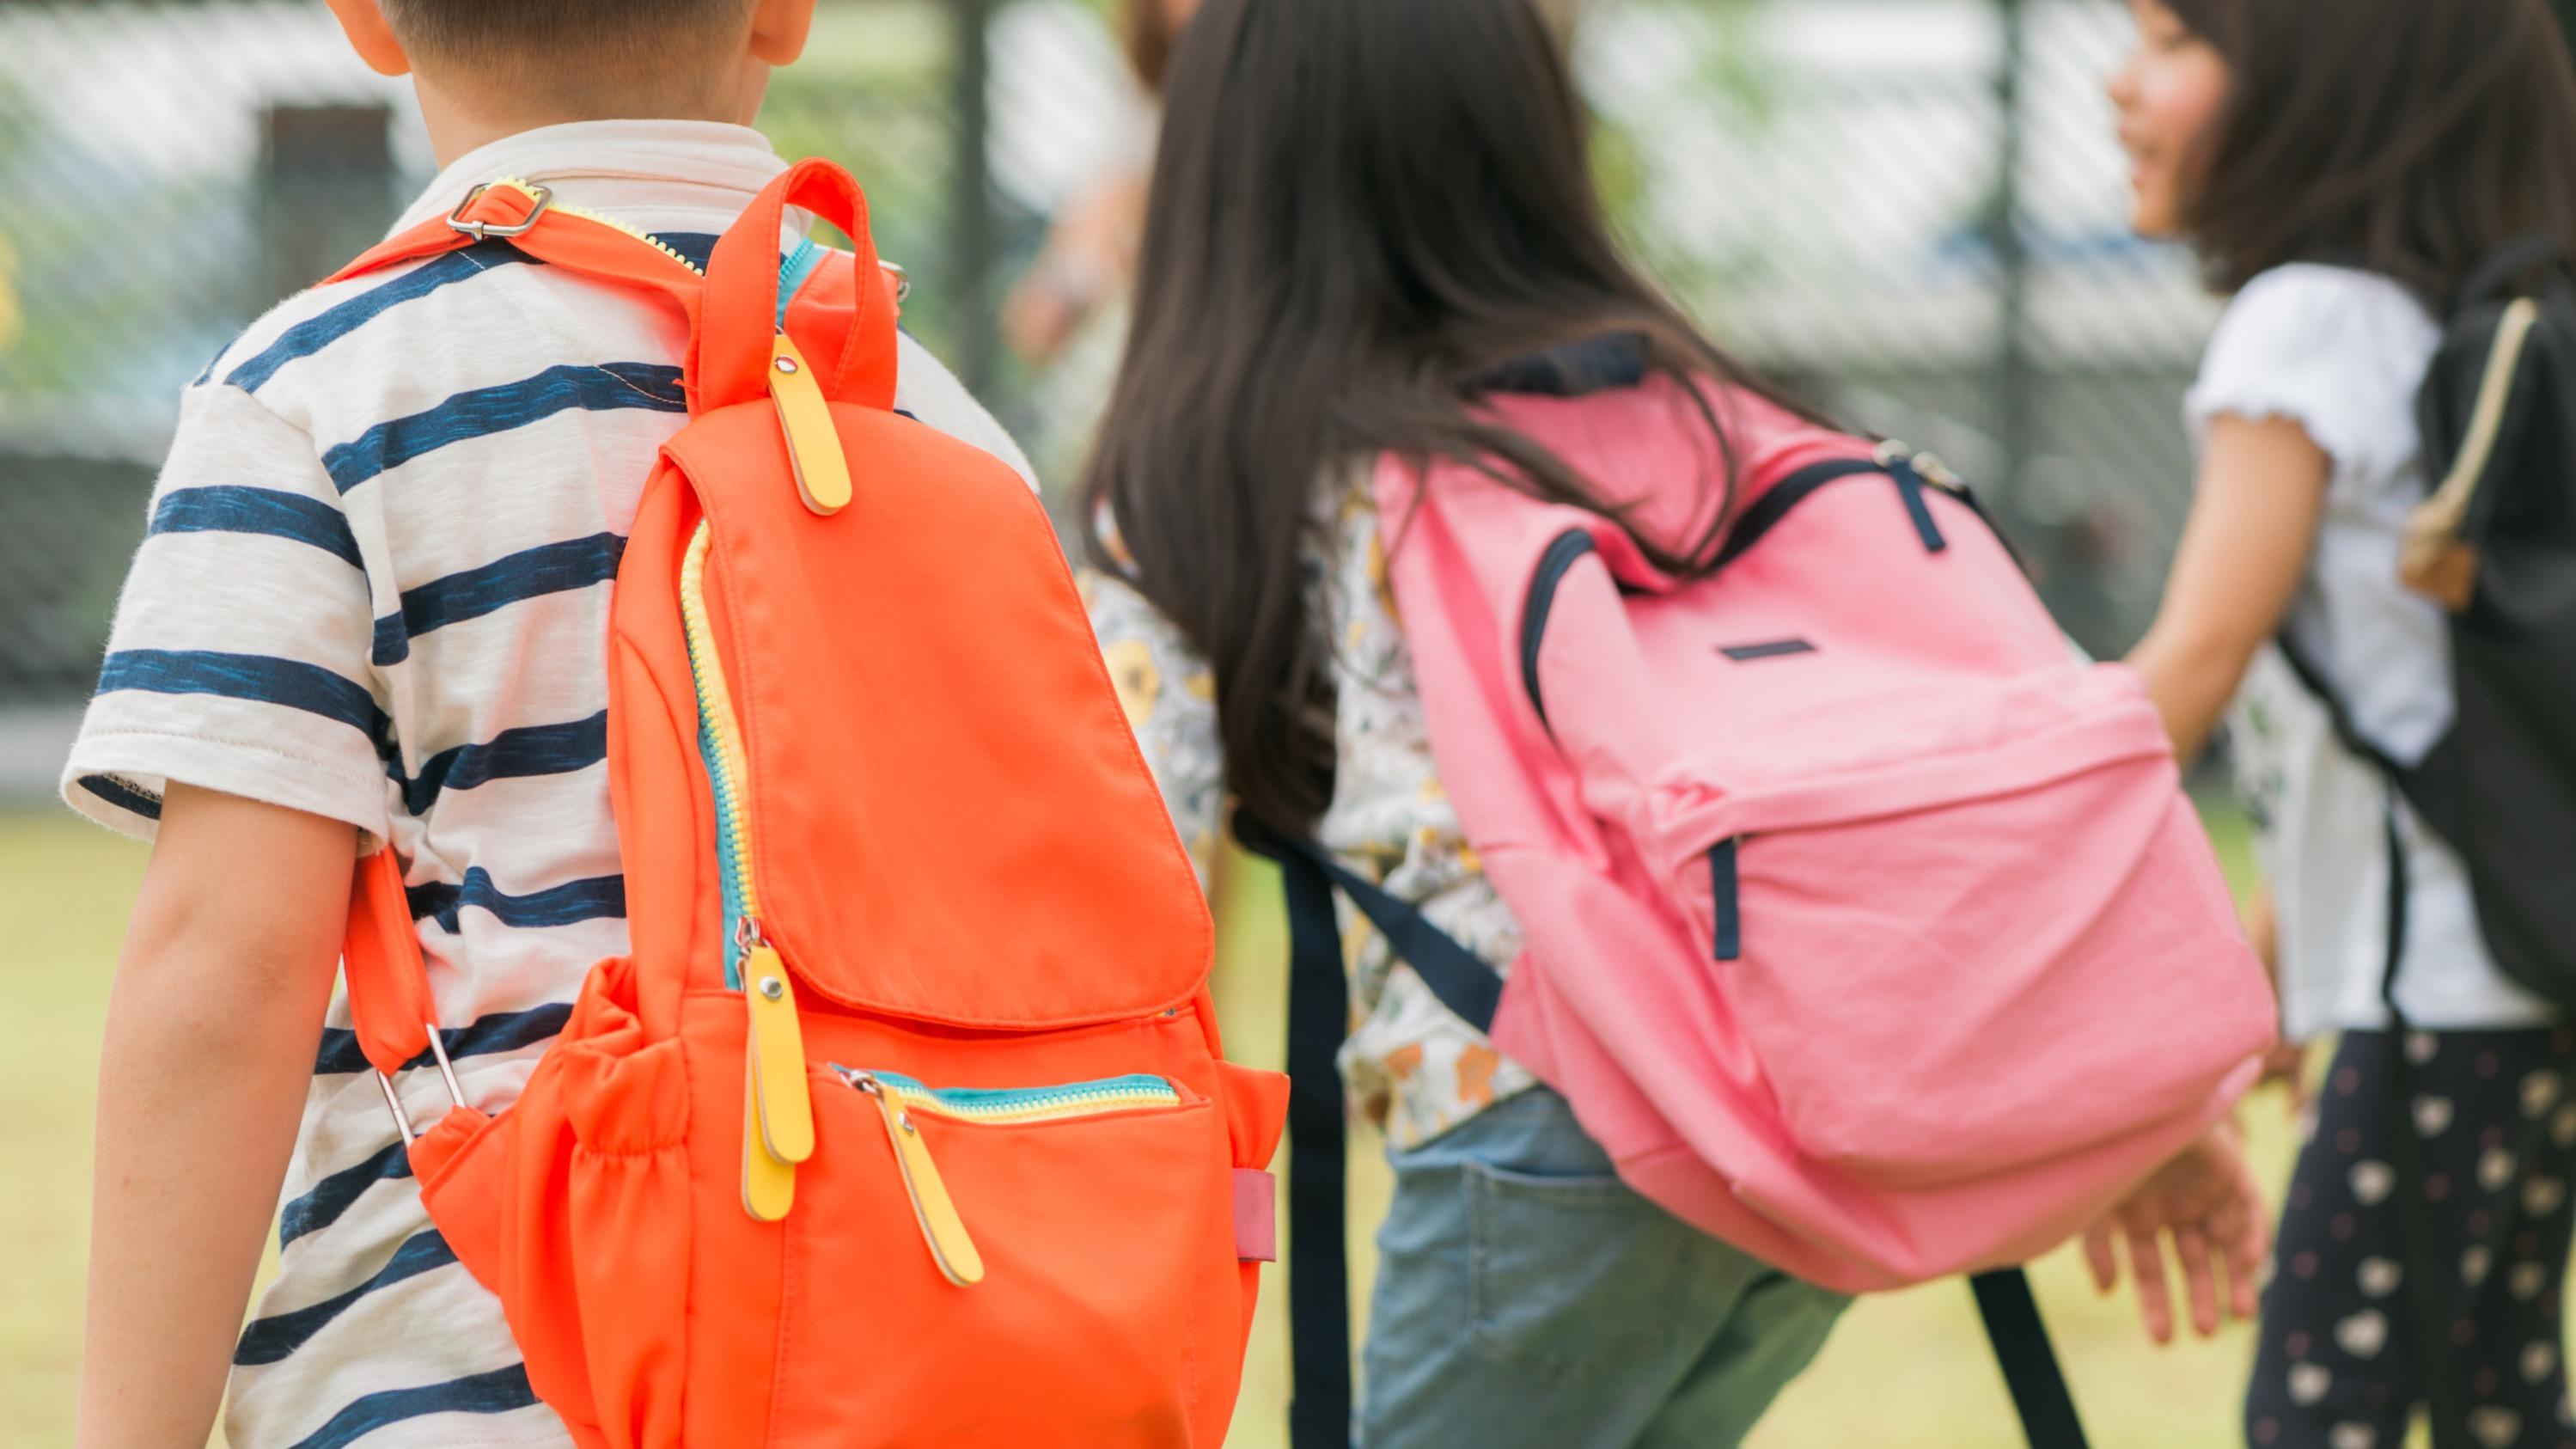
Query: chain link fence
[1911,209]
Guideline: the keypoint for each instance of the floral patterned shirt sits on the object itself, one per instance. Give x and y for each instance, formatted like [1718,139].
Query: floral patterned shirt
[1413,1064]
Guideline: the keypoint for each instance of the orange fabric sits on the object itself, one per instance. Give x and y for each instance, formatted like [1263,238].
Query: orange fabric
[732,347]
[396,1026]
[974,883]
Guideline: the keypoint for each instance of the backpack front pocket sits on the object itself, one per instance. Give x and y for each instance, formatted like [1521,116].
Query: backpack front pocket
[1981,973]
[1025,1266]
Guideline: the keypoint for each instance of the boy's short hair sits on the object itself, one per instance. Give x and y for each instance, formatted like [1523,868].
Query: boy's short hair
[635,36]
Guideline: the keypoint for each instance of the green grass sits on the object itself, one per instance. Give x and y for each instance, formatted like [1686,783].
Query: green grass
[1904,1371]
[62,910]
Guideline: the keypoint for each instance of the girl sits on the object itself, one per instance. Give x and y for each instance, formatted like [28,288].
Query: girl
[1366,215]
[2342,165]
[1361,207]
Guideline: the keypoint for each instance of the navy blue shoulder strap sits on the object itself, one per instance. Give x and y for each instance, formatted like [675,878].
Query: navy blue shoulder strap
[1467,986]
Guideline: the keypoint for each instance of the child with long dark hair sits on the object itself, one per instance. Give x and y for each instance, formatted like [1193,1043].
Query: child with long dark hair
[1367,217]
[1363,211]
[2343,166]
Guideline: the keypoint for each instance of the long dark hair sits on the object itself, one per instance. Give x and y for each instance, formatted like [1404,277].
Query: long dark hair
[1360,207]
[2413,137]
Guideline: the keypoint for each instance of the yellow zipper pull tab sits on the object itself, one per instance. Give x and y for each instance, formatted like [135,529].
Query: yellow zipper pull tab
[768,1185]
[813,442]
[780,1098]
[950,1248]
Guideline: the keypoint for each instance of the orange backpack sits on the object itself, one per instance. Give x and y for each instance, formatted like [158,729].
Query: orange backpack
[905,1121]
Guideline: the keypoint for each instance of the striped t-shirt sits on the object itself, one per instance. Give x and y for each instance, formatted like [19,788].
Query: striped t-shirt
[376,587]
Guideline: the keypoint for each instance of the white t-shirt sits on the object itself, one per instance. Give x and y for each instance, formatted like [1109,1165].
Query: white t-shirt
[376,587]
[2343,353]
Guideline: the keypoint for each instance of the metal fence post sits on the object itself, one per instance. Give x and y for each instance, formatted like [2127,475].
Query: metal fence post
[326,191]
[2014,426]
[972,220]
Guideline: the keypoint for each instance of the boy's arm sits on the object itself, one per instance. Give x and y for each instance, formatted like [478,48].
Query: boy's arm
[211,1032]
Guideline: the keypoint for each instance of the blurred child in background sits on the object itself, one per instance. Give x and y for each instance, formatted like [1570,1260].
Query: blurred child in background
[2341,166]
[1091,251]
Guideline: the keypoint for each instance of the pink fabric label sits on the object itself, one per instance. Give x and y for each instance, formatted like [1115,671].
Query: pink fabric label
[1256,1216]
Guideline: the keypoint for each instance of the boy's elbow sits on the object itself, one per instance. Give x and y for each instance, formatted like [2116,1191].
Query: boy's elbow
[240,898]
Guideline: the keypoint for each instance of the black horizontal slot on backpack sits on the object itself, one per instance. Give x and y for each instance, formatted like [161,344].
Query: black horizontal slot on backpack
[1776,649]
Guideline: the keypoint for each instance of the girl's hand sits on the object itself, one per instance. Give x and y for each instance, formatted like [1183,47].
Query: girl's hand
[2287,1061]
[2206,1200]
[2287,1064]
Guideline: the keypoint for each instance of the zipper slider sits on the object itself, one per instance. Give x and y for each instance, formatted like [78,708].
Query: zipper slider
[941,1228]
[778,1106]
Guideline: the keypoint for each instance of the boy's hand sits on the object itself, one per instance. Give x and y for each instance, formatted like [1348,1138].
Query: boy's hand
[211,1031]
[2207,1202]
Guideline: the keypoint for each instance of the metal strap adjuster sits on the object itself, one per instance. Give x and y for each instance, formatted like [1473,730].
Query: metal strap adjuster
[481,230]
[446,1072]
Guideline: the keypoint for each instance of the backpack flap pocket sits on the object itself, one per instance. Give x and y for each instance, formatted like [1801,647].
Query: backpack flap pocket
[949,819]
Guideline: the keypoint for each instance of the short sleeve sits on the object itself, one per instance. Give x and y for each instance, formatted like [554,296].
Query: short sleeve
[925,388]
[1170,697]
[2337,351]
[240,657]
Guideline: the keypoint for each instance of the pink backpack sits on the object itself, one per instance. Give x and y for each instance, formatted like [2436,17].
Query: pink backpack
[1868,929]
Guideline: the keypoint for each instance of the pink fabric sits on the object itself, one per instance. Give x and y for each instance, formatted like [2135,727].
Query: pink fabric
[1989,976]
[1256,1216]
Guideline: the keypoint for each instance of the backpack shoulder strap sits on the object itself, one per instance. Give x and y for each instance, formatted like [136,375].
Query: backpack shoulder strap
[2303,667]
[526,216]
[2507,270]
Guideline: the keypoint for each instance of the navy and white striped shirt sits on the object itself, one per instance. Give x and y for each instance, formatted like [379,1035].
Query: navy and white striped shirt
[376,587]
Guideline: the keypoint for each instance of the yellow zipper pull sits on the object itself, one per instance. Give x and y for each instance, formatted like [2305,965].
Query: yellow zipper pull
[813,442]
[950,1248]
[768,1185]
[780,1098]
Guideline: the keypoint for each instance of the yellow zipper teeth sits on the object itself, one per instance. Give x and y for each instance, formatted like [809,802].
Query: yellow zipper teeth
[613,224]
[719,714]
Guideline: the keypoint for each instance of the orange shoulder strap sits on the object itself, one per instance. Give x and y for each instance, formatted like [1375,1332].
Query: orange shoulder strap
[525,215]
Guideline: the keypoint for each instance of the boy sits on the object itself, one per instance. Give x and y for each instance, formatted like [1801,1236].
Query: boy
[372,610]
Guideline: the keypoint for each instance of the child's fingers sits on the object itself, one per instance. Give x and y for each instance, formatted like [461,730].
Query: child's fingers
[2098,1256]
[2200,1278]
[2155,1299]
[2246,1250]
[2243,1284]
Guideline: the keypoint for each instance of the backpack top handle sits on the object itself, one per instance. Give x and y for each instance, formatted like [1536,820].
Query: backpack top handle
[735,341]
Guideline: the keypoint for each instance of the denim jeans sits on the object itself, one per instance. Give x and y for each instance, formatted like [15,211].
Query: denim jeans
[1526,1297]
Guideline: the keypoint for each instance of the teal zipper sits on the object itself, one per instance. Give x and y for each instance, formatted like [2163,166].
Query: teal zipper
[794,272]
[1024,1104]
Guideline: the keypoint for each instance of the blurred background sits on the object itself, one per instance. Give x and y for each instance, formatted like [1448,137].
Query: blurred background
[1913,210]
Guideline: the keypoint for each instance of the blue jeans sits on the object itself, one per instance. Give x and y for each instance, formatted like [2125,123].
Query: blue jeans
[1526,1297]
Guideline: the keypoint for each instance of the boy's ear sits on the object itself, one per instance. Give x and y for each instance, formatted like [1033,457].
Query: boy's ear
[364,23]
[778,29]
